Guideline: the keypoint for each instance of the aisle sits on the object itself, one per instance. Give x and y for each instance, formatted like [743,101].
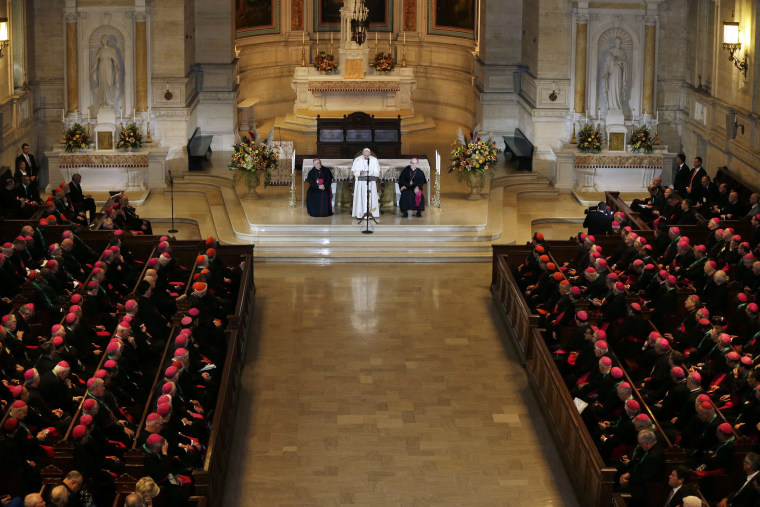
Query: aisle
[386,385]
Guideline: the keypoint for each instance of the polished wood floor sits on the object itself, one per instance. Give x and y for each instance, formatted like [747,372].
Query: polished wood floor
[386,385]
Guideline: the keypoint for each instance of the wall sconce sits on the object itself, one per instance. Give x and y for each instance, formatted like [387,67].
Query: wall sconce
[168,95]
[732,44]
[3,35]
[553,95]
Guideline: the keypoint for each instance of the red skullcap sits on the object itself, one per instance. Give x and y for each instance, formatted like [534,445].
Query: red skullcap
[638,262]
[643,418]
[663,344]
[164,409]
[620,287]
[636,306]
[747,360]
[166,255]
[549,265]
[112,347]
[170,372]
[616,372]
[704,322]
[705,312]
[558,276]
[92,284]
[129,305]
[601,334]
[18,404]
[125,324]
[672,280]
[752,307]
[193,312]
[30,374]
[583,236]
[202,258]
[616,224]
[632,405]
[725,338]
[85,419]
[613,276]
[625,385]
[76,298]
[10,424]
[79,431]
[663,274]
[702,248]
[164,398]
[43,222]
[713,264]
[601,263]
[101,373]
[601,345]
[706,406]
[590,238]
[56,328]
[543,258]
[654,335]
[677,372]
[539,236]
[91,381]
[186,321]
[210,252]
[153,416]
[582,316]
[737,238]
[564,282]
[199,286]
[696,377]
[155,439]
[606,361]
[118,232]
[726,429]
[540,249]
[649,267]
[733,356]
[167,388]
[180,352]
[16,391]
[110,364]
[152,262]
[180,340]
[70,317]
[590,270]
[63,364]
[88,404]
[576,291]
[209,241]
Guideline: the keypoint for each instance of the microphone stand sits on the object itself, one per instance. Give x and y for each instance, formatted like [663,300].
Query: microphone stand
[367,213]
[171,193]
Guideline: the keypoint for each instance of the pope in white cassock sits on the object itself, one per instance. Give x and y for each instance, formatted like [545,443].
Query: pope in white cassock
[365,165]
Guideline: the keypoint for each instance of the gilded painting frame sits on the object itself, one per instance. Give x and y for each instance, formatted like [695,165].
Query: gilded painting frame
[452,17]
[327,15]
[257,17]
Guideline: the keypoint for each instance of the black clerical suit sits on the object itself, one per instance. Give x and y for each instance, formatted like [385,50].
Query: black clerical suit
[319,202]
[681,180]
[409,181]
[79,201]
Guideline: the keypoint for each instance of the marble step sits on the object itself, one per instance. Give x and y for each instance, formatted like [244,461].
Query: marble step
[363,247]
[325,257]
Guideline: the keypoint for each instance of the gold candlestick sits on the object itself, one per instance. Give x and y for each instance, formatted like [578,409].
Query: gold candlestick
[403,54]
[303,56]
[292,203]
[657,135]
[572,139]
[436,200]
[147,133]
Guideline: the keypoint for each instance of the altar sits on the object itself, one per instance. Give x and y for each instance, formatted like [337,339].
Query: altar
[110,170]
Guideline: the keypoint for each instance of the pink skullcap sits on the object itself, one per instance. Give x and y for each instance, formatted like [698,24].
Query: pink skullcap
[110,364]
[186,321]
[170,372]
[30,374]
[613,276]
[643,240]
[164,409]
[5,318]
[7,245]
[683,244]
[696,377]
[625,385]
[649,267]
[627,228]
[590,270]
[606,361]
[56,328]
[663,344]
[748,256]
[643,418]
[590,238]
[167,388]
[50,264]
[702,398]
[576,291]
[752,307]
[636,306]
[63,364]
[620,287]
[654,335]
[70,317]
[114,248]
[706,406]
[632,405]
[596,255]
[66,234]
[185,331]
[76,298]
[92,284]
[601,334]
[43,221]
[101,374]
[638,262]
[10,424]
[601,263]
[676,230]
[746,245]
[180,352]
[18,404]
[163,246]
[57,341]
[166,255]
[118,232]
[85,419]
[705,312]
[152,262]
[733,356]
[583,236]
[180,340]
[726,429]
[713,264]
[725,338]
[88,404]
[582,316]
[96,271]
[112,347]
[737,238]
[155,439]
[125,324]
[129,305]
[153,416]
[704,322]
[747,360]
[193,312]
[74,308]
[615,224]
[634,236]
[694,297]
[17,390]
[742,297]
[616,372]
[78,431]
[601,344]
[702,248]
[677,372]
[663,274]
[672,280]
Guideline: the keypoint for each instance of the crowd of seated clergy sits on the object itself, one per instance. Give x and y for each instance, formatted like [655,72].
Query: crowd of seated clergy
[88,374]
[686,370]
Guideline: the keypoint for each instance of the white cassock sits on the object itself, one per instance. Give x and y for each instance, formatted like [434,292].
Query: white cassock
[360,187]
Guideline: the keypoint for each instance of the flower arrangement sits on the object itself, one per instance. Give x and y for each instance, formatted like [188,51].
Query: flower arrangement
[325,62]
[472,156]
[589,139]
[77,137]
[130,137]
[250,159]
[384,62]
[641,139]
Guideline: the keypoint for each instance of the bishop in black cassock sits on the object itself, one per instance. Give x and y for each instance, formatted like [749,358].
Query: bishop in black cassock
[319,195]
[410,182]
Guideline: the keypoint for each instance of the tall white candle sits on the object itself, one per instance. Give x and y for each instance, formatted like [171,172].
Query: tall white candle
[63,115]
[293,163]
[404,38]
[331,34]
[303,37]
[658,116]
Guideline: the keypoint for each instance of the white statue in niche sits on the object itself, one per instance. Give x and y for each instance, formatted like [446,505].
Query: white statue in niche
[106,74]
[614,75]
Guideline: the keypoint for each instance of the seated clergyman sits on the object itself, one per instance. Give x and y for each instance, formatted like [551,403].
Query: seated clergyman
[410,182]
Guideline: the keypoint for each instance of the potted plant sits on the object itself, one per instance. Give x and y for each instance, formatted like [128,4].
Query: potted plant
[130,137]
[472,159]
[589,139]
[641,139]
[384,62]
[77,138]
[250,160]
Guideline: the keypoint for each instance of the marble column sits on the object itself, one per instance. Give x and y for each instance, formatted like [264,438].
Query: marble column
[581,45]
[141,64]
[649,62]
[72,64]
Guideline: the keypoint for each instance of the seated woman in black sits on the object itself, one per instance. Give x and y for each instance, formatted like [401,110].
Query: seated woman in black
[410,182]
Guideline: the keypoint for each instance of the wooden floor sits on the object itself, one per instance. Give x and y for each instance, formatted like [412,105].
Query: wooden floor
[386,385]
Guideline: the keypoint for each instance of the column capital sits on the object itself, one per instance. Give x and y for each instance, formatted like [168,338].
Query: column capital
[651,19]
[140,17]
[71,17]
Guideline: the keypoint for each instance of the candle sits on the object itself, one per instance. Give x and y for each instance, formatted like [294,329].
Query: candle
[63,115]
[293,163]
[331,34]
[597,113]
[121,116]
[658,116]
[586,115]
[390,39]
[303,38]
[404,38]
[134,113]
[317,42]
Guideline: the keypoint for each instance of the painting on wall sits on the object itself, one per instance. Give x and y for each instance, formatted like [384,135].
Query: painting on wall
[327,16]
[296,15]
[257,17]
[452,17]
